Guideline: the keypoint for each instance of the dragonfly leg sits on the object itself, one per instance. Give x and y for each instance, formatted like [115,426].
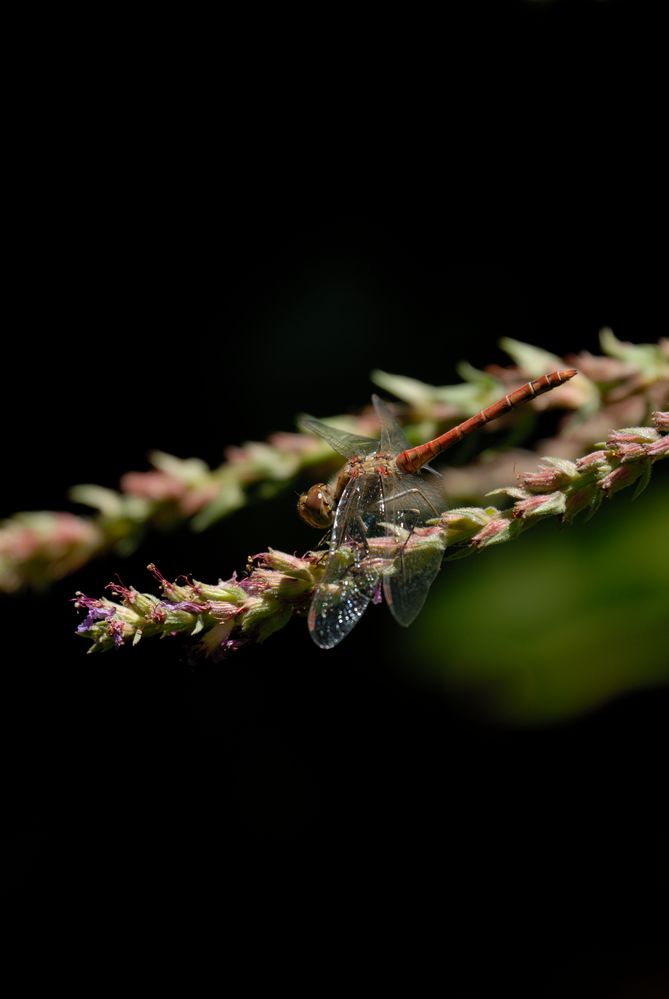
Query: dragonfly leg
[399,556]
[363,533]
[409,492]
[325,540]
[411,529]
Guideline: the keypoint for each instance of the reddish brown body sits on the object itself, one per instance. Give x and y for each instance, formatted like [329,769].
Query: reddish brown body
[381,462]
[414,458]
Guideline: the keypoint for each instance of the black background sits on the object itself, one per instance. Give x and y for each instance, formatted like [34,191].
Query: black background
[192,266]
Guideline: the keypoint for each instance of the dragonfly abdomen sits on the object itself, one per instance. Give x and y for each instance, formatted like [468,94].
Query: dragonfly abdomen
[414,458]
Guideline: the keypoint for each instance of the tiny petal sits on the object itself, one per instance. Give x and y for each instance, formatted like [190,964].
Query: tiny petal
[142,604]
[543,480]
[660,449]
[630,452]
[590,460]
[513,492]
[579,500]
[631,435]
[215,640]
[227,591]
[661,420]
[555,474]
[280,583]
[190,606]
[541,506]
[165,584]
[264,615]
[116,632]
[290,564]
[620,478]
[494,533]
[126,593]
[467,516]
[96,612]
[221,611]
[174,592]
[462,524]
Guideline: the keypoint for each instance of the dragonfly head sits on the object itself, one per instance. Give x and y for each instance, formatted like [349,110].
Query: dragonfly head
[316,506]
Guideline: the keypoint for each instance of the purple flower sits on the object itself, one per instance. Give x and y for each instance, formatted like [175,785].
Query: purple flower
[96,612]
[116,632]
[124,592]
[157,574]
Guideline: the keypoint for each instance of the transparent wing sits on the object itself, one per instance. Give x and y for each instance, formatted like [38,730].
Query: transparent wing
[410,501]
[393,438]
[348,445]
[354,568]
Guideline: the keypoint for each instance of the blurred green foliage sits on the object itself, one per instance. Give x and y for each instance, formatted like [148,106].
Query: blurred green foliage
[560,624]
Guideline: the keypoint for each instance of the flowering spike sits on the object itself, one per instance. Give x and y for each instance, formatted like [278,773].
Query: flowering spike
[38,548]
[229,613]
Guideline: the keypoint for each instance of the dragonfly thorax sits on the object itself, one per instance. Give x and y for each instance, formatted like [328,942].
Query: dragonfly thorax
[317,506]
[379,463]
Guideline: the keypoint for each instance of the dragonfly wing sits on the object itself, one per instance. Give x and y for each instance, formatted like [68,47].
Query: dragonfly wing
[352,573]
[410,501]
[345,444]
[341,599]
[393,438]
[406,586]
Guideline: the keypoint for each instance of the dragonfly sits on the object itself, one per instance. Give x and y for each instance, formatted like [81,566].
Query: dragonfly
[379,514]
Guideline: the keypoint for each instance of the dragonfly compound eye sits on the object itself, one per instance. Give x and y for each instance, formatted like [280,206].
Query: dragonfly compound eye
[316,506]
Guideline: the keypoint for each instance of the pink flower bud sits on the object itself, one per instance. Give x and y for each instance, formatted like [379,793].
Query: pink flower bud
[494,532]
[592,459]
[620,478]
[540,506]
[659,449]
